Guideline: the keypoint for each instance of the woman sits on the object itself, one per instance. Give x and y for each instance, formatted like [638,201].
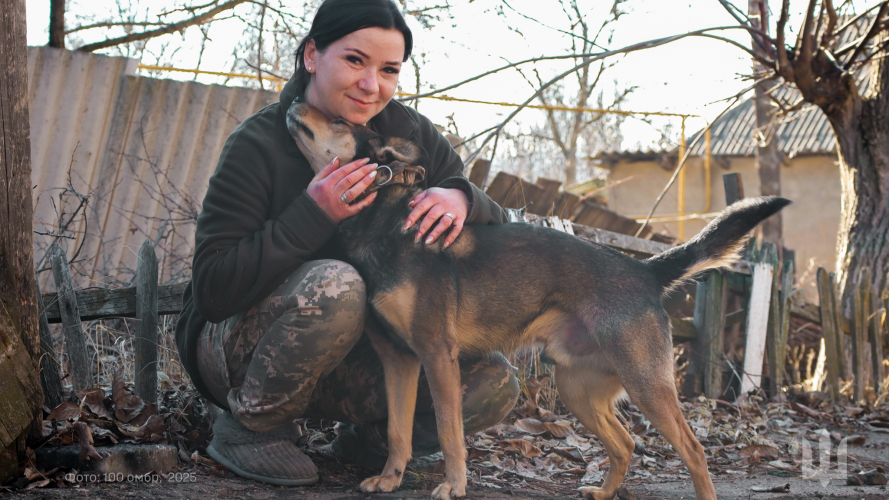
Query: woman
[271,328]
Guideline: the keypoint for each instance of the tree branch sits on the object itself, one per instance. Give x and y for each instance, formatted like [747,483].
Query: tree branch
[601,55]
[648,44]
[171,28]
[872,32]
[110,24]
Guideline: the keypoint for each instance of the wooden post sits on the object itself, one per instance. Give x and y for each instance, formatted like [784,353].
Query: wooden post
[49,364]
[838,323]
[757,320]
[774,347]
[479,172]
[709,321]
[875,336]
[75,339]
[831,332]
[734,188]
[860,306]
[145,345]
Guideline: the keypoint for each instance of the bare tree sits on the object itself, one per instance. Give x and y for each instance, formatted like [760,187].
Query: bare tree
[20,392]
[824,70]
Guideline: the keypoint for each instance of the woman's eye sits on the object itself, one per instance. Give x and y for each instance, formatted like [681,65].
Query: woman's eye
[353,59]
[391,70]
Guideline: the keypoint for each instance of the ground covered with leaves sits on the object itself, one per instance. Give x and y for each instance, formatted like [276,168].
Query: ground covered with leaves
[755,449]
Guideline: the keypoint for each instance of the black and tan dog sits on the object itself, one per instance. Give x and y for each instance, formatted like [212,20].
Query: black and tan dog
[595,311]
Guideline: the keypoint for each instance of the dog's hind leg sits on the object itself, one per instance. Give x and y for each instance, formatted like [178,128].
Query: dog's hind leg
[645,367]
[590,395]
[402,371]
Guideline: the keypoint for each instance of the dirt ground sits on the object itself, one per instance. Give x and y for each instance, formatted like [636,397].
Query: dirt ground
[339,481]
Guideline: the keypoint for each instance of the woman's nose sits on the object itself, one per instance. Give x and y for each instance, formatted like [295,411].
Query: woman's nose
[368,82]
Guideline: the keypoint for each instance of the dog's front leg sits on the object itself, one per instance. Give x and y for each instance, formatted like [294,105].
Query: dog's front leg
[443,374]
[402,371]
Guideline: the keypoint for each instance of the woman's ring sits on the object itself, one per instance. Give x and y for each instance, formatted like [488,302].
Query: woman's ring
[451,216]
[343,197]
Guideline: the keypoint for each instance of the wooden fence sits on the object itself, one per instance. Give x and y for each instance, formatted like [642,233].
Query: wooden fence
[765,283]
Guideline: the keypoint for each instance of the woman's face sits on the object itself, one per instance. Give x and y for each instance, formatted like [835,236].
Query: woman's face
[356,76]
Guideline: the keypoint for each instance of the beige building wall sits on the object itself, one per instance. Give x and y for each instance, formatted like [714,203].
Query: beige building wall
[810,223]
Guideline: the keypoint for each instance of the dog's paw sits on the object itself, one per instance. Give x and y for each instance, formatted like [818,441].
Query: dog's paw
[381,484]
[595,493]
[447,491]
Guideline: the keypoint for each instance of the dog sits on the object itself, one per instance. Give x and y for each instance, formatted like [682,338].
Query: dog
[596,312]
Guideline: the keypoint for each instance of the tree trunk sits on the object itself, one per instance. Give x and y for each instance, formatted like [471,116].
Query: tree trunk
[862,132]
[570,167]
[57,24]
[768,156]
[21,396]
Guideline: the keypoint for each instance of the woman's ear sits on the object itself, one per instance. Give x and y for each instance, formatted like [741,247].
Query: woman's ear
[310,56]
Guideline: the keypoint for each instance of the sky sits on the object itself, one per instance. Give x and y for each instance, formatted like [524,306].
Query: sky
[683,77]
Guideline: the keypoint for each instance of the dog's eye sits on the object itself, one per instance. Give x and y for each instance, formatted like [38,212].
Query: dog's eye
[339,121]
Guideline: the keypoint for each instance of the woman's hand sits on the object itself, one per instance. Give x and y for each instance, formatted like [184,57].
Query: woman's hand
[448,207]
[333,188]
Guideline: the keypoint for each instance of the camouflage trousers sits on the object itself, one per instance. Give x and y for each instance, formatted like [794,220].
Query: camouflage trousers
[301,352]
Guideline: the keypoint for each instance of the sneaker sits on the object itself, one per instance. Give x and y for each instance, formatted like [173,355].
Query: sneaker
[268,457]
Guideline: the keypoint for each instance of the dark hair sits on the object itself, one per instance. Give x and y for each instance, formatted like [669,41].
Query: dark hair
[337,18]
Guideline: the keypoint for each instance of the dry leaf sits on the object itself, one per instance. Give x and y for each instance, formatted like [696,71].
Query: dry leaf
[532,426]
[94,399]
[87,451]
[125,403]
[37,484]
[65,411]
[760,451]
[525,448]
[154,426]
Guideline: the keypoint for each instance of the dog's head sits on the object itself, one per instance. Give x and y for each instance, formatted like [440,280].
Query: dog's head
[321,139]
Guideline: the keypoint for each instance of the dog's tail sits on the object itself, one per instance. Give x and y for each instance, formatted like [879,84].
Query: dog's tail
[718,245]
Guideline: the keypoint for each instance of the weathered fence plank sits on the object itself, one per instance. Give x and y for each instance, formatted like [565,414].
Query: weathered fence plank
[75,339]
[875,336]
[98,303]
[774,348]
[479,172]
[831,334]
[49,364]
[734,188]
[842,325]
[757,323]
[861,304]
[709,320]
[145,344]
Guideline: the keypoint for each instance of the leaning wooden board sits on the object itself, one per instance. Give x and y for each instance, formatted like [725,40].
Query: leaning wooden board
[96,303]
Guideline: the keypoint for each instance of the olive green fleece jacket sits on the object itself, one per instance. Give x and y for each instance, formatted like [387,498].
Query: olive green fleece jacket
[258,225]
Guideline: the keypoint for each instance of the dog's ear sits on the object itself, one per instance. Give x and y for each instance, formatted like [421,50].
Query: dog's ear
[398,149]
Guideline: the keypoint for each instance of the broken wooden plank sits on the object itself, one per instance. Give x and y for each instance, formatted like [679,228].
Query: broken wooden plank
[709,320]
[830,333]
[860,306]
[145,343]
[98,303]
[621,242]
[75,340]
[875,337]
[479,172]
[757,322]
[734,188]
[546,201]
[774,348]
[49,362]
[566,204]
